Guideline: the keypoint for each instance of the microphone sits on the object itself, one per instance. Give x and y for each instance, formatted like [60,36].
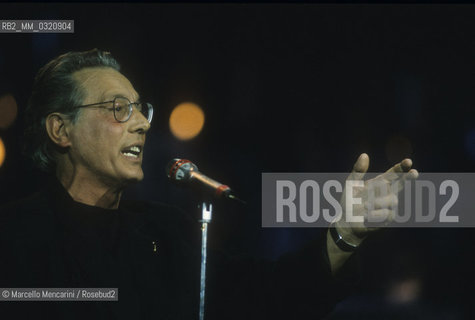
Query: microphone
[185,172]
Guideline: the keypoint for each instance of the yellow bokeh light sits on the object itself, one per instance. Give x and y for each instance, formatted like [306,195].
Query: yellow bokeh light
[8,111]
[2,152]
[186,121]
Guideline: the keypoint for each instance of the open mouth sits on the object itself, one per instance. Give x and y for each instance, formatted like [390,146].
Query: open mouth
[132,152]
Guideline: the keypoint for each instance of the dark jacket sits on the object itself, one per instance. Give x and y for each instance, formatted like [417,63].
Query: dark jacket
[151,252]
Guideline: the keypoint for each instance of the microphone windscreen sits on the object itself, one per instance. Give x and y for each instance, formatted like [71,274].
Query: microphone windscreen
[179,169]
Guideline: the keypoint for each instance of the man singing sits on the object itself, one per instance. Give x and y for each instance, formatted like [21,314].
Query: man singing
[86,126]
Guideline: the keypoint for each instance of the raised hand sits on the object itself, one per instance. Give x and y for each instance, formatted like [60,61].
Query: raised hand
[375,206]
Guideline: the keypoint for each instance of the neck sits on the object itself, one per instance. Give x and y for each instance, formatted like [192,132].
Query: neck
[91,191]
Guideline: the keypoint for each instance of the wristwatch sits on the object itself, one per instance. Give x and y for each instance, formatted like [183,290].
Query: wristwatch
[340,242]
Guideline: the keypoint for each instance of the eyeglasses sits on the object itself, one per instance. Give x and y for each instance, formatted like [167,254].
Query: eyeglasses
[122,108]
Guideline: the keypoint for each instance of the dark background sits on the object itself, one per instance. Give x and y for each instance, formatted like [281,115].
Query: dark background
[287,88]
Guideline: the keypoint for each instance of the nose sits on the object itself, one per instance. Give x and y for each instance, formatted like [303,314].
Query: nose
[138,122]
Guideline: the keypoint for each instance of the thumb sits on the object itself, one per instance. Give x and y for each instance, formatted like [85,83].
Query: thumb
[360,167]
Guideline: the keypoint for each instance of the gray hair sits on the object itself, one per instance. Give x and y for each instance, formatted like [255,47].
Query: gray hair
[55,90]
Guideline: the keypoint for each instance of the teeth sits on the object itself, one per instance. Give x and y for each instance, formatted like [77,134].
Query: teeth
[131,154]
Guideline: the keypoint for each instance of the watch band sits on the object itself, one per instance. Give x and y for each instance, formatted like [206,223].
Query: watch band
[339,241]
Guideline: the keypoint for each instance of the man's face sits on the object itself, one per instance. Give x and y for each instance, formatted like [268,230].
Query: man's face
[100,146]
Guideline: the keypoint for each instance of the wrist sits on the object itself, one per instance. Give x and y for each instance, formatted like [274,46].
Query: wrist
[344,237]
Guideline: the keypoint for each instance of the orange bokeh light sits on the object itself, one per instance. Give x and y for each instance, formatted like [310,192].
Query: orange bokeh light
[8,111]
[186,121]
[2,152]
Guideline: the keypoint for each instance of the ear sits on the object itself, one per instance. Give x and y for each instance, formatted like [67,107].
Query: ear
[57,128]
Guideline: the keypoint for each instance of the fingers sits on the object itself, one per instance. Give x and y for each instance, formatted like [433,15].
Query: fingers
[395,171]
[408,176]
[360,168]
[398,175]
[380,194]
[412,174]
[402,166]
[405,165]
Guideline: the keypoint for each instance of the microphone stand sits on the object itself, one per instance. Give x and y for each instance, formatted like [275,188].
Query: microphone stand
[206,218]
